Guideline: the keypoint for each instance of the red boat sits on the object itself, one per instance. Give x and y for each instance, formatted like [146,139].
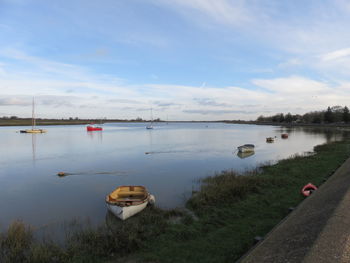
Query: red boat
[284,135]
[308,189]
[93,127]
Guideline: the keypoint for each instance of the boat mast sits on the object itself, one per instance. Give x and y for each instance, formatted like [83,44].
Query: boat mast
[151,117]
[33,117]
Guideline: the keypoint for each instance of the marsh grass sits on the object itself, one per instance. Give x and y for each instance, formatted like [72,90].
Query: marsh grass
[228,186]
[114,239]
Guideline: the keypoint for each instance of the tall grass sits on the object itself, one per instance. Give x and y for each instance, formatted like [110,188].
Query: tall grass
[112,240]
[229,186]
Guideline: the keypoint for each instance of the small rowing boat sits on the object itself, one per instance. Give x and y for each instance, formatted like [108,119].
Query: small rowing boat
[308,189]
[246,148]
[126,201]
[270,139]
[284,135]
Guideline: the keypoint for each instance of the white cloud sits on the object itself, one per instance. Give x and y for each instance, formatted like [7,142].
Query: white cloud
[87,94]
[294,85]
[207,13]
[341,53]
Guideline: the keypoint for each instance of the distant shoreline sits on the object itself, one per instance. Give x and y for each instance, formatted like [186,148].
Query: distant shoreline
[47,122]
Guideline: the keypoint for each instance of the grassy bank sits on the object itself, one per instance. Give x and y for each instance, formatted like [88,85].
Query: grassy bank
[230,209]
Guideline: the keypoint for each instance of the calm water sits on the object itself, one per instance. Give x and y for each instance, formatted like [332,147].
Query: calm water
[178,155]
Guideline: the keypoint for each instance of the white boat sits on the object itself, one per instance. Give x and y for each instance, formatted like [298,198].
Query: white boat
[246,148]
[149,127]
[33,129]
[126,201]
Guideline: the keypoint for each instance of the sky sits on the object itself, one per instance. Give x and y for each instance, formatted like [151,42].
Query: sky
[185,59]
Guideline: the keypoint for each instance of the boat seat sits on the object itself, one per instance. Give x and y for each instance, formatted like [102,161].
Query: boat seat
[130,195]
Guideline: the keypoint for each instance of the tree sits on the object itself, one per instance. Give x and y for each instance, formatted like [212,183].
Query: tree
[346,114]
[288,118]
[281,117]
[260,118]
[328,116]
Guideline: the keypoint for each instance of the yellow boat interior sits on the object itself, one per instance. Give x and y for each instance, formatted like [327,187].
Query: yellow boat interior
[127,194]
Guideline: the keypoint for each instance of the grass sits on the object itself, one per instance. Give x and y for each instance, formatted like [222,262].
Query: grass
[231,209]
[84,243]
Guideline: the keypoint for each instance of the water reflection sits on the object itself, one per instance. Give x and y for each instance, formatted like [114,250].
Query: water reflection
[33,147]
[243,155]
[95,135]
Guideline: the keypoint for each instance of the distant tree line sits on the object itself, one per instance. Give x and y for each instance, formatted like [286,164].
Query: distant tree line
[335,114]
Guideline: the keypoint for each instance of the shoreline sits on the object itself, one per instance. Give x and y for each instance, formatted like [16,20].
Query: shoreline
[51,122]
[230,210]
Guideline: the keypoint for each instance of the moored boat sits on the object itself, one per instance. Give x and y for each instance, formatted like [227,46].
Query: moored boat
[284,135]
[33,129]
[308,189]
[270,139]
[126,201]
[93,127]
[246,148]
[150,126]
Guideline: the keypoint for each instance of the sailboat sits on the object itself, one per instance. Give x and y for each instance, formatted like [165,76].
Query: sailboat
[33,129]
[151,125]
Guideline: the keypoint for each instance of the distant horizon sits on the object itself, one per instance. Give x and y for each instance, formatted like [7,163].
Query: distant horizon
[188,60]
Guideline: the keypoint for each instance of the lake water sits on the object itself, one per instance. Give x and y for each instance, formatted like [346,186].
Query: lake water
[168,160]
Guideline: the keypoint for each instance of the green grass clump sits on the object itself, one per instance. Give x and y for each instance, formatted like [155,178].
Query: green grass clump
[108,242]
[228,186]
[14,244]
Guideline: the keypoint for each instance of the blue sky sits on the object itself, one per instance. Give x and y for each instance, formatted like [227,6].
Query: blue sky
[187,59]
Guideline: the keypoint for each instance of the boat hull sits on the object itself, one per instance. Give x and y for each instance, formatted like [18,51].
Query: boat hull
[127,211]
[89,128]
[33,131]
[246,148]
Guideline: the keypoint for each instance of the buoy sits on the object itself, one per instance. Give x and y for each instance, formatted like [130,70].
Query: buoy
[61,174]
[308,189]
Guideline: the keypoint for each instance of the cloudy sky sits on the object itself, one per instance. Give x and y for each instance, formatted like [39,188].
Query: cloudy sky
[187,59]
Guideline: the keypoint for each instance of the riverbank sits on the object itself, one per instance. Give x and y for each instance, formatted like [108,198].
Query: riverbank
[49,122]
[290,125]
[230,210]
